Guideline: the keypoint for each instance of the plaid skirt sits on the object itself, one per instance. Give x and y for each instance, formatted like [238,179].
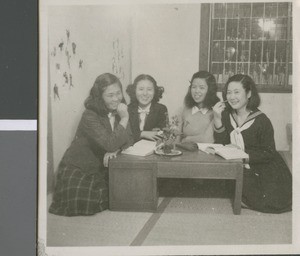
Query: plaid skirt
[77,193]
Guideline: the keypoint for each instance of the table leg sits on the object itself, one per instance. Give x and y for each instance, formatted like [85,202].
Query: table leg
[238,191]
[133,187]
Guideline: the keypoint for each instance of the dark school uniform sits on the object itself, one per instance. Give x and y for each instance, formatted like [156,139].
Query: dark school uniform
[267,185]
[82,180]
[157,118]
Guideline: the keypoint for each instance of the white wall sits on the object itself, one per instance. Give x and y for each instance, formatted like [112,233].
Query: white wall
[93,29]
[166,46]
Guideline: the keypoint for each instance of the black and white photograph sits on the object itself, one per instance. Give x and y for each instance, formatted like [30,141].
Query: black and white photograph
[168,128]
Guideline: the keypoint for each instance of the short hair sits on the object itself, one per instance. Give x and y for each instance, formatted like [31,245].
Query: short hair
[131,89]
[211,96]
[249,86]
[95,100]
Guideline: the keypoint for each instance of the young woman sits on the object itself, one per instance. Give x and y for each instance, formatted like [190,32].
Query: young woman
[267,185]
[197,116]
[81,184]
[146,116]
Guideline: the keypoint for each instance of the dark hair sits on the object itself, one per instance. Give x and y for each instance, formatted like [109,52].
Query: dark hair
[131,89]
[95,101]
[211,96]
[248,85]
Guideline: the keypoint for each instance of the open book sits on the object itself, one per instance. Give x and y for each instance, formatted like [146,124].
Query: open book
[141,148]
[226,152]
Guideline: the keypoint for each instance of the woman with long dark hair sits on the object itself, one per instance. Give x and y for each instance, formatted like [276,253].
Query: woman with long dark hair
[82,179]
[197,116]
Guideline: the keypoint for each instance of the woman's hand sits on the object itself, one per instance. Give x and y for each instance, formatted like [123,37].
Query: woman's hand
[108,156]
[218,109]
[122,111]
[151,135]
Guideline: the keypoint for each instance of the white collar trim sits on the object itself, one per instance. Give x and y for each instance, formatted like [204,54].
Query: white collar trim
[195,109]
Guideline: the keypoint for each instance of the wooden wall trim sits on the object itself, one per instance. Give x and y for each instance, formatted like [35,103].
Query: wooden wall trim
[204,37]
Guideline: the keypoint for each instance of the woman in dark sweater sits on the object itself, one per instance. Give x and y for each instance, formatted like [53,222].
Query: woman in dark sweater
[267,185]
[82,181]
[146,115]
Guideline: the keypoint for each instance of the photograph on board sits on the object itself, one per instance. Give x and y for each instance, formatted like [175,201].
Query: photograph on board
[166,128]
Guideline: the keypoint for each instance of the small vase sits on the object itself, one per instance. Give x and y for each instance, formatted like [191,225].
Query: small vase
[167,148]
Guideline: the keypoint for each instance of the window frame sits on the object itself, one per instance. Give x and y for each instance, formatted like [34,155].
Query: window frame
[205,51]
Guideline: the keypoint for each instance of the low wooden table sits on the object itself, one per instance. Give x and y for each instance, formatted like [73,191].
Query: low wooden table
[133,179]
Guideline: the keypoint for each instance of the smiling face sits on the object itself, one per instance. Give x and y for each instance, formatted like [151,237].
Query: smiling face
[199,90]
[112,96]
[144,92]
[237,96]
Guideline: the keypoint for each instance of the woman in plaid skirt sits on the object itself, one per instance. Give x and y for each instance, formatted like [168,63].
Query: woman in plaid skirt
[82,179]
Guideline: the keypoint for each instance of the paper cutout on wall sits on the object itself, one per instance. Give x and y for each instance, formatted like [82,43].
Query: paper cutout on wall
[74,48]
[53,53]
[80,63]
[68,58]
[56,93]
[66,77]
[64,62]
[68,35]
[61,45]
[71,82]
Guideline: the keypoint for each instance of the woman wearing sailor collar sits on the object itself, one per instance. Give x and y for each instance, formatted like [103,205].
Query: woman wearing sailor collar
[267,185]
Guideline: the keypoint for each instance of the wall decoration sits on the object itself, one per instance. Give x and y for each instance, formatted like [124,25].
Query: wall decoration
[61,45]
[68,57]
[64,62]
[56,93]
[68,35]
[80,63]
[66,77]
[71,82]
[53,53]
[118,59]
[74,48]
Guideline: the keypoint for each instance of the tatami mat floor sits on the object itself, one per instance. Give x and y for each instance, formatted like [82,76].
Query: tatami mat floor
[192,216]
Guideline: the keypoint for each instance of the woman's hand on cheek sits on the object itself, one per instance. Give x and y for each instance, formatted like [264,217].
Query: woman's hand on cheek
[151,135]
[122,111]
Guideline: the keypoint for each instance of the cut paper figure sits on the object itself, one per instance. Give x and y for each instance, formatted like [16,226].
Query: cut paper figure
[57,65]
[68,57]
[61,45]
[80,63]
[53,53]
[68,35]
[71,82]
[74,48]
[55,90]
[66,77]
